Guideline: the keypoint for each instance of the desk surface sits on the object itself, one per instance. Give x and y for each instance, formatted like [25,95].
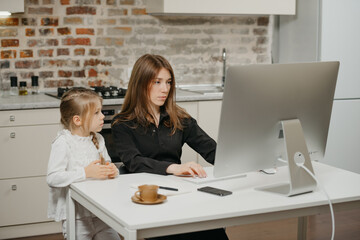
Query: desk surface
[113,197]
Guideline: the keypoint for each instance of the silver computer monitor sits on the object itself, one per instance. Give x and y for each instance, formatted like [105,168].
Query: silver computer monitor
[258,98]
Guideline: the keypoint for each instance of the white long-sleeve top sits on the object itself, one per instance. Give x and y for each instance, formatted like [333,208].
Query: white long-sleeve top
[69,156]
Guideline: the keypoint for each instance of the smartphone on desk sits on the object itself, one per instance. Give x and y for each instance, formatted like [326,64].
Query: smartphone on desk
[216,191]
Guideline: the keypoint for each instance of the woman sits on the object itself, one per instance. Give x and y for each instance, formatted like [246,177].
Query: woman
[151,129]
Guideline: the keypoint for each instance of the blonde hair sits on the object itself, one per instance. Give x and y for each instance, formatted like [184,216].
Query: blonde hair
[136,103]
[82,102]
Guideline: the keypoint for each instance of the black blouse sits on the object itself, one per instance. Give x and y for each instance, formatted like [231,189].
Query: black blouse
[153,149]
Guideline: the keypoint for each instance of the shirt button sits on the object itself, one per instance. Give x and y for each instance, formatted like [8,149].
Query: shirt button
[154,130]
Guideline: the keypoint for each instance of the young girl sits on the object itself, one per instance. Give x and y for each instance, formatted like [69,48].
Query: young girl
[75,155]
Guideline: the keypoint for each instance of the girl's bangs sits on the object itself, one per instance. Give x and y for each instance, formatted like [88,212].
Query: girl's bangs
[89,105]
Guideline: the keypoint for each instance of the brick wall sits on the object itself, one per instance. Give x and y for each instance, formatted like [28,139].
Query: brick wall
[96,42]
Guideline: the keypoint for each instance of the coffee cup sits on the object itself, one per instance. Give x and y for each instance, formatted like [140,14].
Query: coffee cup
[147,193]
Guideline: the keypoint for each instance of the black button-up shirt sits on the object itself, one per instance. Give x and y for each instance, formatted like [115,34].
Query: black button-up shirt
[153,149]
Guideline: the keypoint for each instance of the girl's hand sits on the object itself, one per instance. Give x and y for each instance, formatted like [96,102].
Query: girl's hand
[191,168]
[95,170]
[114,169]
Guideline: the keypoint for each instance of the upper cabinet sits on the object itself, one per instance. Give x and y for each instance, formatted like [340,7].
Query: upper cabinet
[12,6]
[221,7]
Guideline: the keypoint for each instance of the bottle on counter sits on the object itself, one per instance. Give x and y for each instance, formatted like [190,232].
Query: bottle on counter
[34,85]
[4,88]
[14,86]
[22,89]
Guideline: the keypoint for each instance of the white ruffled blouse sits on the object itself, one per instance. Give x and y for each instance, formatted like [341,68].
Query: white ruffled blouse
[69,156]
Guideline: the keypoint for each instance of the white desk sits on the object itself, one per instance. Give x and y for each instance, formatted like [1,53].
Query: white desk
[110,201]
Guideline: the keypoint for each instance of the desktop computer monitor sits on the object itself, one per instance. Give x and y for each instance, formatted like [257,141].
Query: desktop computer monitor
[262,101]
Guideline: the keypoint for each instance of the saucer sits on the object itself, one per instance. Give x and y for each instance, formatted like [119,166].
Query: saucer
[161,198]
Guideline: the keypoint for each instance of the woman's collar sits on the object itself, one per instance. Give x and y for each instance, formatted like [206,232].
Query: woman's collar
[163,114]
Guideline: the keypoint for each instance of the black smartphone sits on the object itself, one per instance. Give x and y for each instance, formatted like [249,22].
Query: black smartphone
[216,191]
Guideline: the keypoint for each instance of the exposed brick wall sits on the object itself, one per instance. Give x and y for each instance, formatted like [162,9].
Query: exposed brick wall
[91,42]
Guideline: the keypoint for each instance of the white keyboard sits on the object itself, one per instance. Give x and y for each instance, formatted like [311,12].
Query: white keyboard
[210,177]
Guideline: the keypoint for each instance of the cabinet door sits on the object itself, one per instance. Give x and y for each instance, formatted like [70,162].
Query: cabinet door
[209,120]
[188,154]
[25,150]
[23,200]
[29,117]
[344,136]
[340,37]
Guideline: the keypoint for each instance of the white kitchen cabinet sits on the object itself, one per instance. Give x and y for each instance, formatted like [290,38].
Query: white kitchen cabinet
[188,154]
[25,140]
[224,7]
[23,201]
[12,6]
[209,117]
[340,42]
[344,136]
[340,38]
[315,34]
[29,117]
[209,121]
[207,114]
[25,143]
[25,150]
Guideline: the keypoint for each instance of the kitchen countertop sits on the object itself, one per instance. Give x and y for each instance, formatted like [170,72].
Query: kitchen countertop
[43,101]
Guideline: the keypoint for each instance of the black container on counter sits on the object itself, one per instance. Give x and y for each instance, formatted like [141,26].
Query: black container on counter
[34,85]
[14,86]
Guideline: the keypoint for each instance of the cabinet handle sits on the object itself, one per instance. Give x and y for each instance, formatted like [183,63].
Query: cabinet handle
[13,187]
[12,118]
[12,135]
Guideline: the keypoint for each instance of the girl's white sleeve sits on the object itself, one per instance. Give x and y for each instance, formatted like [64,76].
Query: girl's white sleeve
[58,175]
[106,155]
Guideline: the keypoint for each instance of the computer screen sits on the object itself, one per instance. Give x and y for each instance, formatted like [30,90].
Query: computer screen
[258,98]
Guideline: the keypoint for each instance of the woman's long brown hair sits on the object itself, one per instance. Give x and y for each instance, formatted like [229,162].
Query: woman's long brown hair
[137,104]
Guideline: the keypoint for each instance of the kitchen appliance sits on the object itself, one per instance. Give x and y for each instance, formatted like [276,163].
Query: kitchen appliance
[104,92]
[109,112]
[314,34]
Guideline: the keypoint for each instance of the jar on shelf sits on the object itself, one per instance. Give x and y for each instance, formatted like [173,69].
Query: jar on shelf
[22,89]
[4,88]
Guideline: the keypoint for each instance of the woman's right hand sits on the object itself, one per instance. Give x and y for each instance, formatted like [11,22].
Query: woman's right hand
[95,170]
[190,168]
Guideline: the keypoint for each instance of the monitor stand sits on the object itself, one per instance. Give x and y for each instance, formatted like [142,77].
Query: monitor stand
[297,155]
